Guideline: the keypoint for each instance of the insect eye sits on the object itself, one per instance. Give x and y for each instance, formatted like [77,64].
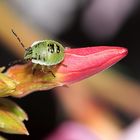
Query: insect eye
[58,49]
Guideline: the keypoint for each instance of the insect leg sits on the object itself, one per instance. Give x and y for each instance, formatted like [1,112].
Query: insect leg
[43,69]
[64,65]
[34,68]
[51,71]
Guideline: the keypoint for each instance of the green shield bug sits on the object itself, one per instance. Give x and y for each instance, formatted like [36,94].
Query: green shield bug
[46,53]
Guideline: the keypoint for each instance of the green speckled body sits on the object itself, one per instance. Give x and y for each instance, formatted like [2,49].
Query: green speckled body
[45,52]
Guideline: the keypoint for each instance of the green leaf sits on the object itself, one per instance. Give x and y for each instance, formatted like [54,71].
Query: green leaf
[11,117]
[13,108]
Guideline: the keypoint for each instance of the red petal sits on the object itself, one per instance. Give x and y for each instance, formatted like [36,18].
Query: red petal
[84,62]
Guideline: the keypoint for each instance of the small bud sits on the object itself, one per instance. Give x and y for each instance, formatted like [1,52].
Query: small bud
[13,108]
[11,117]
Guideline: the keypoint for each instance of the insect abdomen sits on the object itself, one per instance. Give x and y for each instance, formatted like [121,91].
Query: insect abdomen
[47,53]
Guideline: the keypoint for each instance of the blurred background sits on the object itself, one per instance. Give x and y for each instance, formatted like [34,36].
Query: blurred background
[103,107]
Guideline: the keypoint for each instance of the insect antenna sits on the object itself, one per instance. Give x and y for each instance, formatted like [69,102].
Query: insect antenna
[17,62]
[18,39]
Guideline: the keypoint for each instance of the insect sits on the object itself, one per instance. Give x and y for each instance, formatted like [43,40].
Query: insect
[46,53]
